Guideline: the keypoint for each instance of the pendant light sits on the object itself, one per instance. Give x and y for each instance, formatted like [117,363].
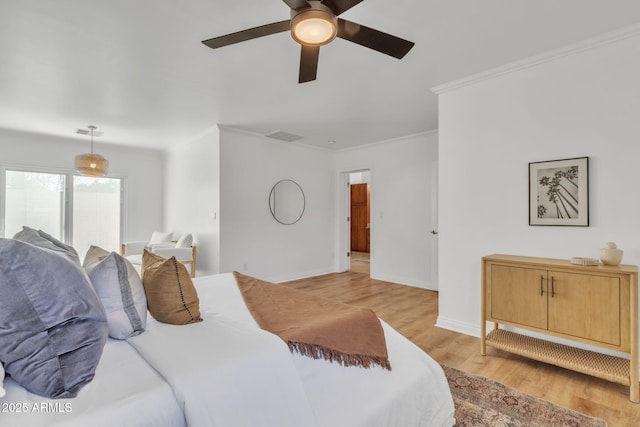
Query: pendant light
[90,164]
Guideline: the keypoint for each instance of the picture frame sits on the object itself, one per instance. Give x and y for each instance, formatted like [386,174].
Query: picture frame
[559,192]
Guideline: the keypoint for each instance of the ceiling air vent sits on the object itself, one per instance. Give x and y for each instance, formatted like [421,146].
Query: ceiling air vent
[283,136]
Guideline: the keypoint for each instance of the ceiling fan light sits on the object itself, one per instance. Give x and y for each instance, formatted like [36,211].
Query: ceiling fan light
[314,27]
[90,164]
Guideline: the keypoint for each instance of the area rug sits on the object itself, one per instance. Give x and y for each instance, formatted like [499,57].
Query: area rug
[483,402]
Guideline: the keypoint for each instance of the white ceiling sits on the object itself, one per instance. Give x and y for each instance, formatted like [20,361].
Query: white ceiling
[137,69]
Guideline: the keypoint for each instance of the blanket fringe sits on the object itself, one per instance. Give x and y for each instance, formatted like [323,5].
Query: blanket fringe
[321,352]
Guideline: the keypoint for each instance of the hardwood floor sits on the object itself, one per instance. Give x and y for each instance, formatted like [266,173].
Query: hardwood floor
[413,313]
[359,262]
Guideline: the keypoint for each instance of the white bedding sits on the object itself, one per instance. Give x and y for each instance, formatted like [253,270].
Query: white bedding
[227,372]
[414,393]
[224,373]
[125,391]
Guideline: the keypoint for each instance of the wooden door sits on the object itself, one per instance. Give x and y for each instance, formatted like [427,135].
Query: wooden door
[518,296]
[360,217]
[585,306]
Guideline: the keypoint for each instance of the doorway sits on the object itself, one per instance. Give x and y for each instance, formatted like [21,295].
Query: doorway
[360,222]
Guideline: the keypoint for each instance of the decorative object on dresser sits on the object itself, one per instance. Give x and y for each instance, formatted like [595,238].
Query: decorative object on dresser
[595,305]
[584,261]
[610,254]
[559,192]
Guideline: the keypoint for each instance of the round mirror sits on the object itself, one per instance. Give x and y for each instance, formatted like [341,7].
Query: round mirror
[286,202]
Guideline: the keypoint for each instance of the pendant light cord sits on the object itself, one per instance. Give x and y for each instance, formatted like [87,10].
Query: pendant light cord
[92,128]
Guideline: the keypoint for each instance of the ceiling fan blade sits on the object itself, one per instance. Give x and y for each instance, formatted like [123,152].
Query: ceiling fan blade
[308,63]
[297,4]
[251,33]
[340,6]
[373,39]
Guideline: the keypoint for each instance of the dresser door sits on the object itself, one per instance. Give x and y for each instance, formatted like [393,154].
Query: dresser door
[585,306]
[518,296]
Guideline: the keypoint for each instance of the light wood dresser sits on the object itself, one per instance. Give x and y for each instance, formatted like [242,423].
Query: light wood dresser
[592,305]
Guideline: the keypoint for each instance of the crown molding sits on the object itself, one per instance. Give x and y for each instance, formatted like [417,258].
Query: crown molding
[572,49]
[398,139]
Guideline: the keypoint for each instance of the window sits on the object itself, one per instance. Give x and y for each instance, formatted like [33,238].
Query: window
[96,213]
[78,210]
[37,200]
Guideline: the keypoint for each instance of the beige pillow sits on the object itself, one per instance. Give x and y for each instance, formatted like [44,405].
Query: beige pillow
[171,296]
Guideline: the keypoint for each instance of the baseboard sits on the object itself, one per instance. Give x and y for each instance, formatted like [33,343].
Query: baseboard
[472,329]
[405,281]
[299,275]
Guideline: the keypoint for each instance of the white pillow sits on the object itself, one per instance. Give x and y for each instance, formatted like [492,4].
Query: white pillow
[120,290]
[94,255]
[161,236]
[185,241]
[2,392]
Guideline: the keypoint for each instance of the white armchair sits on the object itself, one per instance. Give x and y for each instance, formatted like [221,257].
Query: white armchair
[161,244]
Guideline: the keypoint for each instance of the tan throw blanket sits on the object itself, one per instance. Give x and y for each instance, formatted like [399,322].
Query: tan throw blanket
[316,327]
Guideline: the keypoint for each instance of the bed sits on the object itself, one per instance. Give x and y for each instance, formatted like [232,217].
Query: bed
[227,371]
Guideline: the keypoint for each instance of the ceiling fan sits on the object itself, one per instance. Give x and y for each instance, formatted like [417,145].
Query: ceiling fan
[315,23]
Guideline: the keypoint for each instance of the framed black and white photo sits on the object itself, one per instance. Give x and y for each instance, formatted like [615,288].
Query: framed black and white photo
[559,192]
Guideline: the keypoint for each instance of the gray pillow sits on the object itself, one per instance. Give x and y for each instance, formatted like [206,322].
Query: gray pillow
[54,327]
[120,290]
[41,239]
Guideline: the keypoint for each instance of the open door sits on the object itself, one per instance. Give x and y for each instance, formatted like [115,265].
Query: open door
[355,234]
[360,218]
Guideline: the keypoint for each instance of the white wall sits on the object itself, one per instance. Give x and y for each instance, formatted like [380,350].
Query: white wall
[362,177]
[582,103]
[251,240]
[402,249]
[192,201]
[142,170]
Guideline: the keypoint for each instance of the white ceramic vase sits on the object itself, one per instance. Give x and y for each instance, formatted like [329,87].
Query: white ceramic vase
[610,254]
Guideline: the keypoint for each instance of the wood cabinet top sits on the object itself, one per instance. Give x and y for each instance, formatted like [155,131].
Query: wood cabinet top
[564,263]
